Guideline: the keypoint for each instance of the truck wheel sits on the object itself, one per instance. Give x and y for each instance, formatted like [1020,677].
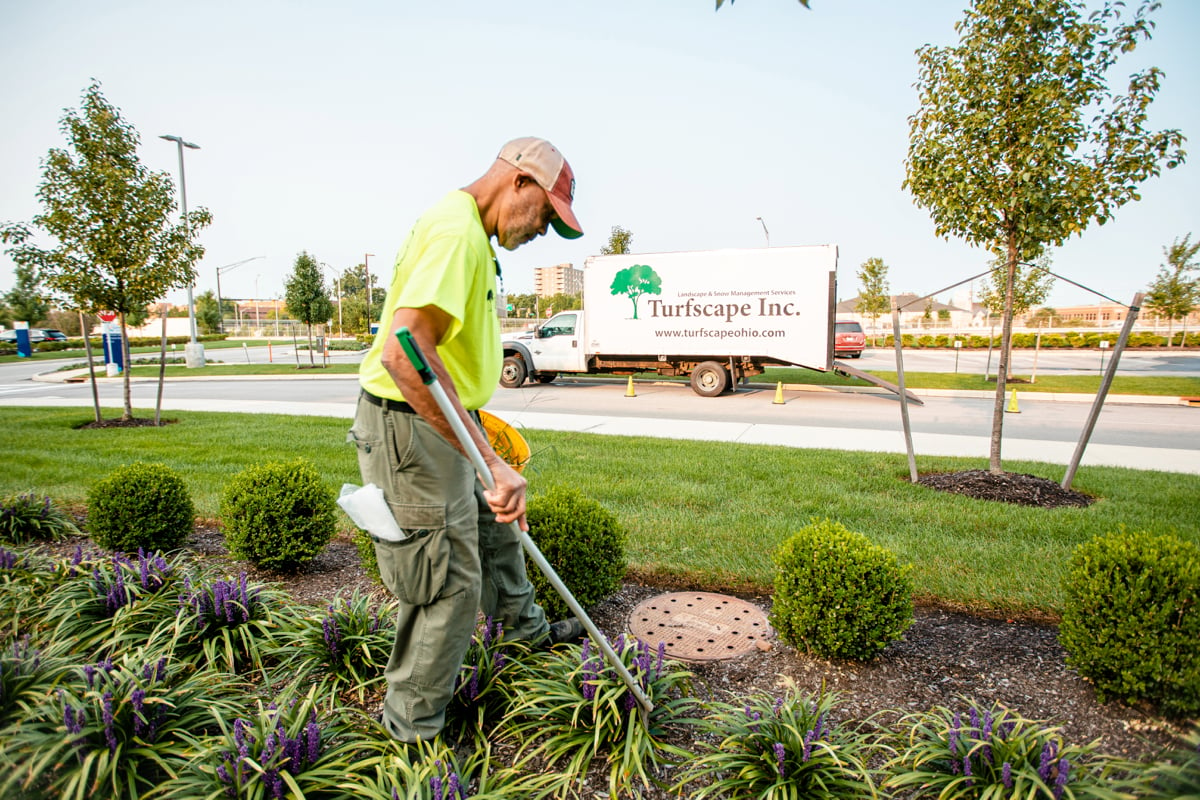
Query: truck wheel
[709,379]
[546,377]
[512,374]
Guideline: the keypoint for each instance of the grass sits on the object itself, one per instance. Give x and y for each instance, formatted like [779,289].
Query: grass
[696,513]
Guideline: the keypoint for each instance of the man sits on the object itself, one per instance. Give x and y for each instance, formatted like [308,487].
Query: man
[460,555]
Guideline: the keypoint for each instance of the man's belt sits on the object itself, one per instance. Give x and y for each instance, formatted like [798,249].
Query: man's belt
[387,404]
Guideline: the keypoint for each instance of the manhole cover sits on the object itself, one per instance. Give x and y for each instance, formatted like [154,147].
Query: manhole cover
[698,626]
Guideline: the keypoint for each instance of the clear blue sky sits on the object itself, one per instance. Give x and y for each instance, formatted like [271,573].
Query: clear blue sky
[329,127]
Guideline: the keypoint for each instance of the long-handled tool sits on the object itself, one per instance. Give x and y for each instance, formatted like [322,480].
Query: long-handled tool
[430,379]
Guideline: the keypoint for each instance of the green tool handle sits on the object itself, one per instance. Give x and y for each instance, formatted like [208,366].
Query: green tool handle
[413,351]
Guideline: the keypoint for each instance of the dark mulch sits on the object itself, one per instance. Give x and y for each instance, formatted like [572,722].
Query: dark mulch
[1006,487]
[135,422]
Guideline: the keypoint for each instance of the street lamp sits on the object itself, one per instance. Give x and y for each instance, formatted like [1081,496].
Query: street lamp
[367,271]
[337,280]
[227,268]
[765,231]
[193,351]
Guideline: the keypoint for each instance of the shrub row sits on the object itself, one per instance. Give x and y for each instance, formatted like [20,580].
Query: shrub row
[141,677]
[1073,340]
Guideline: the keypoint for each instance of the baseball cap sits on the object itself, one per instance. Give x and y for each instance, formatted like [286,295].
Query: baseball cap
[546,165]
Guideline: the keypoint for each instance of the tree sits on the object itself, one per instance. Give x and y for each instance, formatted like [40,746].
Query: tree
[1174,293]
[873,300]
[1031,285]
[619,242]
[307,299]
[1019,143]
[208,318]
[117,247]
[636,281]
[356,315]
[24,300]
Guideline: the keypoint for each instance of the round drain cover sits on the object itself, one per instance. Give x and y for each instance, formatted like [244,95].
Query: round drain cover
[698,626]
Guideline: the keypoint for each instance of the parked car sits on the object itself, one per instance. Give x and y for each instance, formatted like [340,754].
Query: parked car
[36,335]
[848,339]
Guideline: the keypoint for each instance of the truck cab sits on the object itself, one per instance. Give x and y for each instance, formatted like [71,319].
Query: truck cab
[555,346]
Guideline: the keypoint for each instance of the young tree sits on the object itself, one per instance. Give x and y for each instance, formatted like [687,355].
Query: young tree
[1019,143]
[119,247]
[208,318]
[1031,285]
[873,299]
[24,300]
[619,242]
[1176,290]
[307,299]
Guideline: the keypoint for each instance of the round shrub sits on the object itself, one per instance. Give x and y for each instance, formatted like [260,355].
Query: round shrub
[1131,619]
[838,595]
[582,541]
[278,515]
[140,505]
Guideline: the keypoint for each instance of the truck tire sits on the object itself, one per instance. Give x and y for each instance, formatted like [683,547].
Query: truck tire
[709,379]
[546,377]
[513,373]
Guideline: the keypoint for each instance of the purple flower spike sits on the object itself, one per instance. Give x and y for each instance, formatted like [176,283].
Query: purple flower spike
[780,752]
[1060,783]
[1006,775]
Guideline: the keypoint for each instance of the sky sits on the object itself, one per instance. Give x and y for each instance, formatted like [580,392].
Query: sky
[329,127]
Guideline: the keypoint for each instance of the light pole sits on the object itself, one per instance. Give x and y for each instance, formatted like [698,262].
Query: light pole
[227,268]
[367,276]
[337,282]
[194,351]
[766,232]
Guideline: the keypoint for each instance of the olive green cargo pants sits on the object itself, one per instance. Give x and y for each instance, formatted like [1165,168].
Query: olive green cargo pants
[456,562]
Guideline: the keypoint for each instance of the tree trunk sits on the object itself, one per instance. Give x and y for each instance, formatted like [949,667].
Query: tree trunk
[1005,353]
[128,414]
[87,348]
[311,363]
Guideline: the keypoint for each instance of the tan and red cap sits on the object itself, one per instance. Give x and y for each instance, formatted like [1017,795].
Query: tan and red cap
[546,165]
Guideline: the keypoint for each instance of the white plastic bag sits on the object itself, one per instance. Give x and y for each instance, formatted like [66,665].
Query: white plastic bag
[367,508]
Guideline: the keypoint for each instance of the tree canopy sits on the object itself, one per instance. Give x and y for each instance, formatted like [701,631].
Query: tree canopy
[620,241]
[1019,143]
[25,300]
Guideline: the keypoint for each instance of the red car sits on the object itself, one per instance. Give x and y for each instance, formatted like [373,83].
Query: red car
[848,338]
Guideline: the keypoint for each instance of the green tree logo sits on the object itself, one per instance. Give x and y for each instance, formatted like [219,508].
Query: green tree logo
[636,281]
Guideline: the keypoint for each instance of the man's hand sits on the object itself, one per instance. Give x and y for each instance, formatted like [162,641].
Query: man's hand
[507,499]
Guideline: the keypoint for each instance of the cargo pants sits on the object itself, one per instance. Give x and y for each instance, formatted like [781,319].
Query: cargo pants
[456,562]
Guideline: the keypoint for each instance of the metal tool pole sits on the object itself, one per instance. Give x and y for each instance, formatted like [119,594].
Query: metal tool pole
[429,378]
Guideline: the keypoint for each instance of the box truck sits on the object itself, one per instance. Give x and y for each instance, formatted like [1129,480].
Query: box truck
[716,315]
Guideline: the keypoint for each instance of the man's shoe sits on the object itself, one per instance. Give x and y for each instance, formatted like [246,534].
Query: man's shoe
[565,631]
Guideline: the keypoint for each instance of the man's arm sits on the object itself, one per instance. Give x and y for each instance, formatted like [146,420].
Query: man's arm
[428,325]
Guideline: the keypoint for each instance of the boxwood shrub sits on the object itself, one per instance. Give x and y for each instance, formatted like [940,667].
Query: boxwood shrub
[584,543]
[278,515]
[140,505]
[839,595]
[1131,621]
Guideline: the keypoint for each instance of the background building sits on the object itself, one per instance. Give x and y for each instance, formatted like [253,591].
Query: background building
[559,279]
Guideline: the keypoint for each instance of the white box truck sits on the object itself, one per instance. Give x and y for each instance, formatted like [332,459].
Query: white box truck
[716,315]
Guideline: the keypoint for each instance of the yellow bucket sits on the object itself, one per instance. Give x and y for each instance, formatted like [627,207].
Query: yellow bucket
[506,440]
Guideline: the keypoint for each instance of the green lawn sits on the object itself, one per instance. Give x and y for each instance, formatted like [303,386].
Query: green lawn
[697,513]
